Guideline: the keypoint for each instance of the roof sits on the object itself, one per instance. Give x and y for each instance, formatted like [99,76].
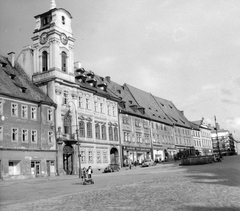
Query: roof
[94,83]
[152,109]
[14,82]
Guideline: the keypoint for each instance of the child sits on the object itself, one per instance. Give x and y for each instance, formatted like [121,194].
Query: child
[89,172]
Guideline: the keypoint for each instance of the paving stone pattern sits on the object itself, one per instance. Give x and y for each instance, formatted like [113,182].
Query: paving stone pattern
[162,187]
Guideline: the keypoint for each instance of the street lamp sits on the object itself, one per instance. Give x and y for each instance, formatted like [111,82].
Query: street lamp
[78,141]
[59,141]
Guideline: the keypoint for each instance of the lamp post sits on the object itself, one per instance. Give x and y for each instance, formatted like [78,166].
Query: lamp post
[219,151]
[78,141]
[59,141]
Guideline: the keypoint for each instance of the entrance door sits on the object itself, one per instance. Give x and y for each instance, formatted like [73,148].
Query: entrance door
[114,156]
[68,159]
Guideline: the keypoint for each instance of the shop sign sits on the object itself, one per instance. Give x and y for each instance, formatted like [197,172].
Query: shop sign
[137,149]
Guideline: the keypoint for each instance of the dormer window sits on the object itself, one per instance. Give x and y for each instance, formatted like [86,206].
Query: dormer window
[130,101]
[119,91]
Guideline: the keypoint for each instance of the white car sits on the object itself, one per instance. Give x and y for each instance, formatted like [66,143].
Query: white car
[148,162]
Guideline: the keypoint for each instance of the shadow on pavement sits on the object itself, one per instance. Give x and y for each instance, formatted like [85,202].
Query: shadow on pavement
[198,208]
[225,173]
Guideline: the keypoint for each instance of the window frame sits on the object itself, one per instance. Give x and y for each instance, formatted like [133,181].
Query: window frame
[14,111]
[24,140]
[14,135]
[34,135]
[33,113]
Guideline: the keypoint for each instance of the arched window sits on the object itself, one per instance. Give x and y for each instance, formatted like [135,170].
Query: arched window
[64,61]
[44,61]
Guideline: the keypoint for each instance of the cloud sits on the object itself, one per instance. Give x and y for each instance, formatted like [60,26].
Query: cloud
[233,123]
[229,101]
[237,81]
[226,92]
[179,34]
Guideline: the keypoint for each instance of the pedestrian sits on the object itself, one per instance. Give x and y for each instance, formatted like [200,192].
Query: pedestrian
[84,176]
[89,172]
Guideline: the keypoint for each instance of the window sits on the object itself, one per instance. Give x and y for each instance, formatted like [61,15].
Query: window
[44,61]
[95,106]
[34,113]
[81,129]
[63,20]
[35,168]
[114,111]
[50,137]
[64,61]
[101,108]
[83,155]
[80,102]
[97,131]
[14,134]
[24,135]
[126,120]
[88,106]
[1,133]
[65,97]
[115,134]
[34,136]
[90,156]
[105,157]
[14,168]
[139,140]
[137,122]
[89,130]
[147,139]
[50,115]
[24,111]
[104,132]
[99,157]
[14,109]
[109,110]
[110,133]
[126,136]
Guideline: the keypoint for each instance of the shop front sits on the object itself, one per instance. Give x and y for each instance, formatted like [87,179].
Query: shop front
[135,154]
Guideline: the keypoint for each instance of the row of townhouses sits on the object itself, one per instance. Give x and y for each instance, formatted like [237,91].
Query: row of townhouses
[55,116]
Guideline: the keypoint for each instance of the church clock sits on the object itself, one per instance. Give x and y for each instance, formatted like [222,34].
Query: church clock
[43,38]
[64,39]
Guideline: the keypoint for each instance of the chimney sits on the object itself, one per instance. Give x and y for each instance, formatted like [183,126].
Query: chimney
[78,65]
[11,58]
[182,112]
[108,79]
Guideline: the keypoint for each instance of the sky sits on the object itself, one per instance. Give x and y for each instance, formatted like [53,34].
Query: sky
[186,51]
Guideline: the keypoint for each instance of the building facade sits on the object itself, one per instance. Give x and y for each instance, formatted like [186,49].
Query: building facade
[27,129]
[87,114]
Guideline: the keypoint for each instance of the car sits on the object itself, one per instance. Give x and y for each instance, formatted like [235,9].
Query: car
[111,168]
[148,162]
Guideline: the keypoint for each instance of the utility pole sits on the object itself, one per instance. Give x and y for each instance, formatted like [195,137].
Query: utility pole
[219,151]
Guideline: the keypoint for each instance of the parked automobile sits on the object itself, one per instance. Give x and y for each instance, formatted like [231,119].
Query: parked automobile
[111,168]
[148,162]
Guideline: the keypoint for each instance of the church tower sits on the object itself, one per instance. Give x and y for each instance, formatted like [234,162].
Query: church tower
[53,42]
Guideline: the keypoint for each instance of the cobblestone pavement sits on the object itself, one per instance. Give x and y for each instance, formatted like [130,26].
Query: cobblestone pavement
[163,187]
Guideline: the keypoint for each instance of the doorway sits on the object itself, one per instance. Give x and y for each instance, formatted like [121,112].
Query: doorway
[114,156]
[68,152]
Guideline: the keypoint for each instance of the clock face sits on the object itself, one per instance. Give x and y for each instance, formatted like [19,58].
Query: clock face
[43,38]
[64,38]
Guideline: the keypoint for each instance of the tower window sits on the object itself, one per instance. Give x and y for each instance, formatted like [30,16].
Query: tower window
[44,61]
[63,20]
[64,61]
